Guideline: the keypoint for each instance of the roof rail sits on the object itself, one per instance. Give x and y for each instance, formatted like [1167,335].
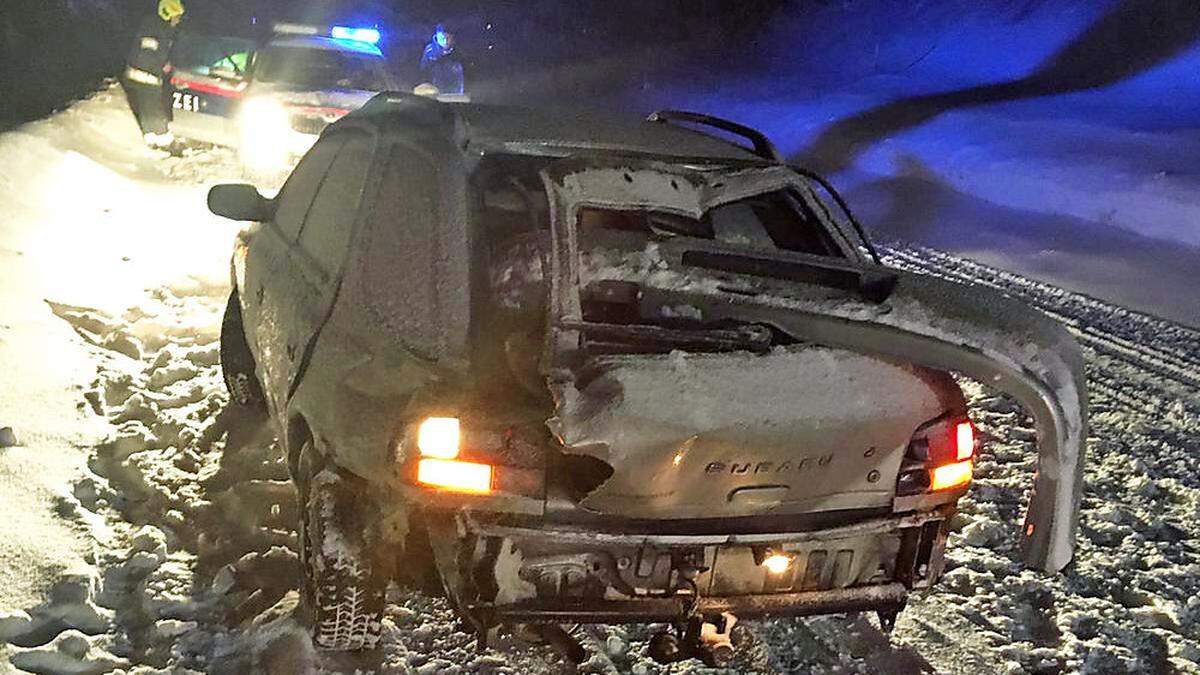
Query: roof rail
[763,147]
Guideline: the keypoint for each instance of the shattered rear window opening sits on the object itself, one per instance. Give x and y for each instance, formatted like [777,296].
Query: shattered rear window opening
[774,220]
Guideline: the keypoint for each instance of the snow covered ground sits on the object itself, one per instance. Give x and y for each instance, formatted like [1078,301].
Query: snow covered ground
[139,538]
[90,218]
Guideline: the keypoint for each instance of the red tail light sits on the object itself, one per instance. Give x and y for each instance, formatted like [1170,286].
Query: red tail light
[940,457]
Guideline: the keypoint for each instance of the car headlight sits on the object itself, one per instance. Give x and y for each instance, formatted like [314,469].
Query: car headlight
[265,126]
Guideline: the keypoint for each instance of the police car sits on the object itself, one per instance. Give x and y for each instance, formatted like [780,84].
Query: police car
[271,102]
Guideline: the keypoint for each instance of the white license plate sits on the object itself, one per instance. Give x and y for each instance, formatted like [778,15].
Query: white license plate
[184,101]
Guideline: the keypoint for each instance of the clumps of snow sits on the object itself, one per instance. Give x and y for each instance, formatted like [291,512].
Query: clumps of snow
[71,653]
[123,344]
[1128,602]
[984,532]
[197,569]
[276,643]
[159,530]
[71,605]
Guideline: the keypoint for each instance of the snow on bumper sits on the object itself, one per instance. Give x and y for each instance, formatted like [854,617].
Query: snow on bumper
[562,575]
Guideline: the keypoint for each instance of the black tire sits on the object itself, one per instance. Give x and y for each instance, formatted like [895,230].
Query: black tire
[345,582]
[237,363]
[416,568]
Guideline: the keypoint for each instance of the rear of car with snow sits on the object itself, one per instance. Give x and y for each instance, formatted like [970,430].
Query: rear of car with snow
[272,101]
[576,370]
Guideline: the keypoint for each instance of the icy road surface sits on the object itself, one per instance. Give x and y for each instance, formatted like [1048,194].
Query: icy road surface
[181,539]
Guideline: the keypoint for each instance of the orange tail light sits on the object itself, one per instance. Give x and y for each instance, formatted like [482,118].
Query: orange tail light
[951,475]
[455,476]
[940,456]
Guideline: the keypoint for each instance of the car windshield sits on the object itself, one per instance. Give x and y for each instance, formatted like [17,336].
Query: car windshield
[777,220]
[320,69]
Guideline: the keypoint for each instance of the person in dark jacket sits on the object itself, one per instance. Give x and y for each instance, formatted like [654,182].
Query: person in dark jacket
[147,75]
[440,65]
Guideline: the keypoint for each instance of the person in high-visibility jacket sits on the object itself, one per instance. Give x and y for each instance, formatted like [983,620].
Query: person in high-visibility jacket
[147,74]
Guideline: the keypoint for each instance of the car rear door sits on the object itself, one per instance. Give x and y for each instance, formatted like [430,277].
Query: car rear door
[207,86]
[315,265]
[269,290]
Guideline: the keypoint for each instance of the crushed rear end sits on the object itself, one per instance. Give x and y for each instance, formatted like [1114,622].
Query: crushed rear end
[730,429]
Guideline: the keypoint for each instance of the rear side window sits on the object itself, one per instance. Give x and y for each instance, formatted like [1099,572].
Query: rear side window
[774,220]
[313,69]
[330,222]
[297,194]
[211,55]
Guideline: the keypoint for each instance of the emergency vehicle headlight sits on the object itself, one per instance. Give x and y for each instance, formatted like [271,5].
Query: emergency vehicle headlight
[264,113]
[368,35]
[264,132]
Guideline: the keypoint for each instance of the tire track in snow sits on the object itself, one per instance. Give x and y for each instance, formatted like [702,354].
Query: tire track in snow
[1105,328]
[1154,363]
[1141,487]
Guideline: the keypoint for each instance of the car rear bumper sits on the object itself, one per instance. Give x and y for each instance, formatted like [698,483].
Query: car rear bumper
[653,610]
[481,524]
[556,575]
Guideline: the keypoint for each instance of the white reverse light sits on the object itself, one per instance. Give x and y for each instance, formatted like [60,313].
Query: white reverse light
[439,437]
[777,563]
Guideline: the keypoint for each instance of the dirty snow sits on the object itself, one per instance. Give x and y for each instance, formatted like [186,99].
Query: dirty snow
[165,546]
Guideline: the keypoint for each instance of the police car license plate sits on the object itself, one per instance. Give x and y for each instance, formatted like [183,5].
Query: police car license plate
[185,101]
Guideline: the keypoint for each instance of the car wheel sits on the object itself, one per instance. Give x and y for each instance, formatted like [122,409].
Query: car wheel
[237,363]
[417,569]
[345,582]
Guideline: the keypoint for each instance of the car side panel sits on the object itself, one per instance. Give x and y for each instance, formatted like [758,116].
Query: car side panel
[373,366]
[276,293]
[263,312]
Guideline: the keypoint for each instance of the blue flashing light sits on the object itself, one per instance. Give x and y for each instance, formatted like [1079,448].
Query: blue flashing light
[356,47]
[368,35]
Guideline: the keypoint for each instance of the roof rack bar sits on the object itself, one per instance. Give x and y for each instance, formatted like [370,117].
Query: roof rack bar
[763,147]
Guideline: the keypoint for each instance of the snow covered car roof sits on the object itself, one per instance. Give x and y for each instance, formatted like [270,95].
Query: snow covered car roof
[492,128]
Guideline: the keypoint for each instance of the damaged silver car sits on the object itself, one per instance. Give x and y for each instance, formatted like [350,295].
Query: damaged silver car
[572,370]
